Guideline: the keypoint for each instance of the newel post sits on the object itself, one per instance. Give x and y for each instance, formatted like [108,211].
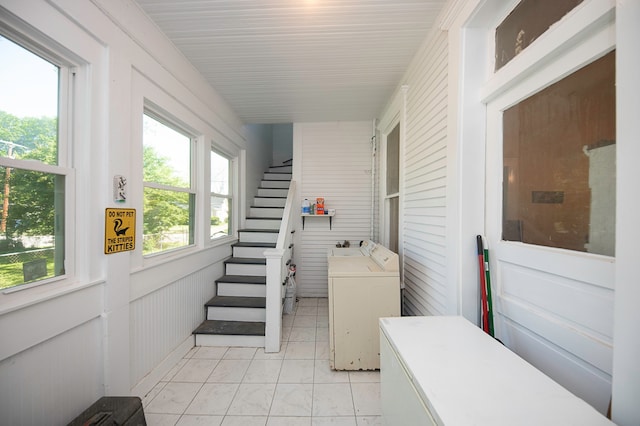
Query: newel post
[273,326]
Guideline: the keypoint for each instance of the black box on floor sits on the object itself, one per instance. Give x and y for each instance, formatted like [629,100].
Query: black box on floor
[112,411]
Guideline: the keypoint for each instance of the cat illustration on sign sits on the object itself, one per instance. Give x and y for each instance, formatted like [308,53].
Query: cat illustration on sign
[118,229]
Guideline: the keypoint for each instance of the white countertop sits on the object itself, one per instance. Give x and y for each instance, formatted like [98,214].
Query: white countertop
[465,377]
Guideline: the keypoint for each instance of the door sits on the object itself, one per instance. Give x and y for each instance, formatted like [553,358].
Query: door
[549,222]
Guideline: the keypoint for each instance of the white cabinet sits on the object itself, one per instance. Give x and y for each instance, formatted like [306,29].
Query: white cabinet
[445,371]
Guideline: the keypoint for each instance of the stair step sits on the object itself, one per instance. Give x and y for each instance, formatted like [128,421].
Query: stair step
[281,184]
[241,285]
[230,333]
[269,201]
[251,249]
[242,279]
[231,328]
[276,176]
[272,192]
[237,302]
[264,212]
[258,235]
[237,308]
[252,266]
[263,222]
[281,169]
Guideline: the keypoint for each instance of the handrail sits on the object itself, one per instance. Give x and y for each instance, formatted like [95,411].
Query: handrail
[278,260]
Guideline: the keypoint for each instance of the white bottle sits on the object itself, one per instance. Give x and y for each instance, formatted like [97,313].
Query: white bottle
[306,207]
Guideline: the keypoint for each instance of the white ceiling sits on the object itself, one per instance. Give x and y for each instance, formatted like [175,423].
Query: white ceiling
[299,60]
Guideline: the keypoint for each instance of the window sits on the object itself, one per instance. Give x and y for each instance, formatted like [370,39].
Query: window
[528,21]
[33,167]
[169,193]
[559,163]
[392,196]
[221,200]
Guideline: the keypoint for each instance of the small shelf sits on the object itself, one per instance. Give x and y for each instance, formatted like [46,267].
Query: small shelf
[329,215]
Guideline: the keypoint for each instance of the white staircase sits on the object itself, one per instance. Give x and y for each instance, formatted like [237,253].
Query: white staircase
[236,315]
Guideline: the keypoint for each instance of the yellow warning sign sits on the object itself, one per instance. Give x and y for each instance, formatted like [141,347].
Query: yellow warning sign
[119,230]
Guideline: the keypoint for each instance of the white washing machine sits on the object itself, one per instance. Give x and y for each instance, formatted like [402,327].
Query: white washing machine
[364,249]
[362,289]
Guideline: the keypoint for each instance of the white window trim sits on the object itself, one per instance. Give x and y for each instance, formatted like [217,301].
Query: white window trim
[70,122]
[232,195]
[396,114]
[175,124]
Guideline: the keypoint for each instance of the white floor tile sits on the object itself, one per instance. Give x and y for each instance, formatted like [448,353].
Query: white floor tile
[195,370]
[244,421]
[286,332]
[308,301]
[334,421]
[240,353]
[366,399]
[191,420]
[252,400]
[213,399]
[174,370]
[300,350]
[287,320]
[305,321]
[261,354]
[322,334]
[247,386]
[263,371]
[364,376]
[322,350]
[307,310]
[229,371]
[332,399]
[302,334]
[292,400]
[296,371]
[370,421]
[324,374]
[173,398]
[210,352]
[289,421]
[153,419]
[153,393]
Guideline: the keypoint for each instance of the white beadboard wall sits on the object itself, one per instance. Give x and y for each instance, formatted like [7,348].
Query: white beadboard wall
[331,160]
[161,320]
[52,382]
[424,165]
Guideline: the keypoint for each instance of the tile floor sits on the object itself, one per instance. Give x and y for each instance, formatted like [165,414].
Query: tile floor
[246,386]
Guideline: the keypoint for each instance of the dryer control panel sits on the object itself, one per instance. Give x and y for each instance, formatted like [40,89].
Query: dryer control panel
[385,258]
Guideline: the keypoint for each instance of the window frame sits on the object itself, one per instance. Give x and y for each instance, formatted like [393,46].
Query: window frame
[231,196]
[174,124]
[70,75]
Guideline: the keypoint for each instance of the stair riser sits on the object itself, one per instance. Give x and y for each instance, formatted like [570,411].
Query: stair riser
[224,340]
[236,314]
[242,290]
[269,202]
[280,184]
[257,252]
[281,169]
[263,224]
[276,176]
[258,237]
[266,212]
[272,192]
[244,269]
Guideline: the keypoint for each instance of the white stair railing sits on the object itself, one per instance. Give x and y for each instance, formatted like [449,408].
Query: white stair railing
[278,260]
